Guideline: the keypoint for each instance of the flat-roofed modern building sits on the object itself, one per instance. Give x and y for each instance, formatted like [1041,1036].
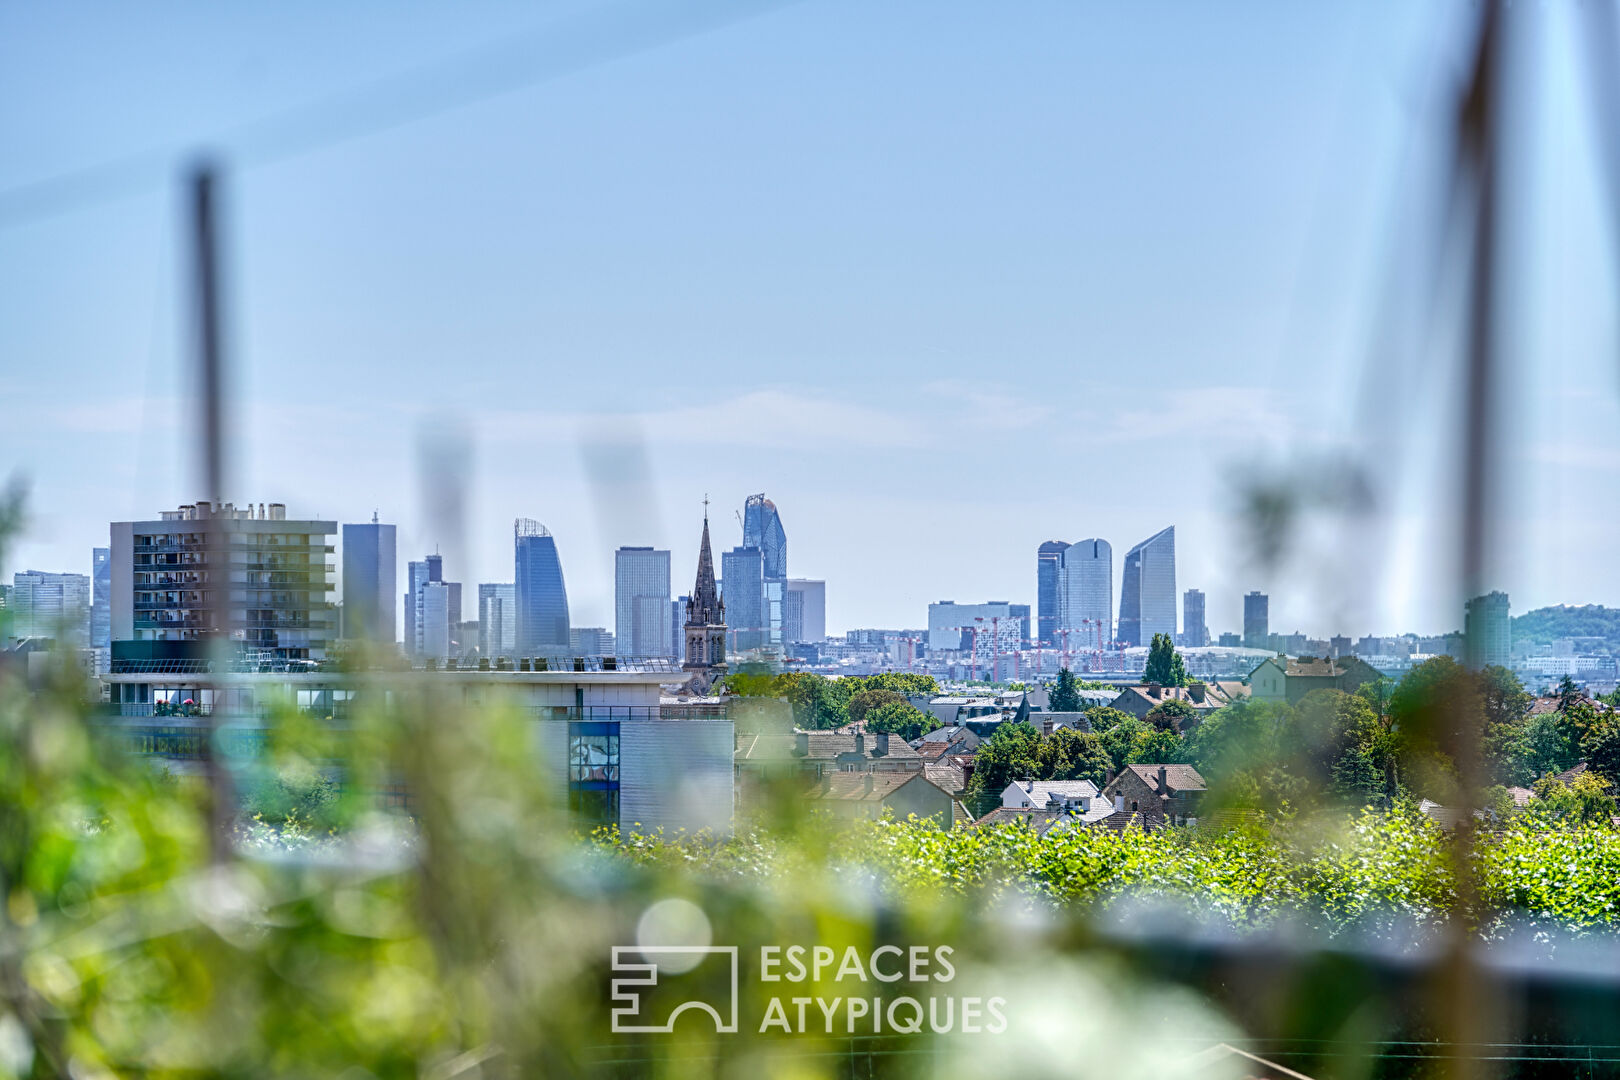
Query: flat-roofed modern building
[49,605]
[259,578]
[369,575]
[1256,620]
[1086,595]
[1147,593]
[1048,591]
[742,585]
[497,619]
[1194,627]
[804,617]
[641,625]
[951,626]
[606,743]
[1487,631]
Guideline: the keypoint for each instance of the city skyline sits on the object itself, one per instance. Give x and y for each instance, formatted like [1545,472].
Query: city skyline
[904,348]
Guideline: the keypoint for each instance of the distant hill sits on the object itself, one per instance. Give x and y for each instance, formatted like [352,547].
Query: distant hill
[1544,625]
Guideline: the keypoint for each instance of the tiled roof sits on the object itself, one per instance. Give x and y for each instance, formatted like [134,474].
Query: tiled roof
[946,775]
[1176,777]
[861,787]
[823,746]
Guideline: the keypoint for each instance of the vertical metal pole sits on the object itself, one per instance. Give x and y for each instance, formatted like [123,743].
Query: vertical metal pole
[1468,1006]
[216,556]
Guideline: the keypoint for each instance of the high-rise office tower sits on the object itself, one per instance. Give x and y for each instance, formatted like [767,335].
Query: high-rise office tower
[497,619]
[369,574]
[1256,620]
[762,529]
[418,634]
[433,623]
[591,641]
[805,616]
[47,605]
[677,620]
[279,578]
[641,602]
[704,634]
[1147,590]
[100,597]
[1194,629]
[1048,599]
[1085,595]
[742,581]
[542,597]
[1487,631]
[953,626]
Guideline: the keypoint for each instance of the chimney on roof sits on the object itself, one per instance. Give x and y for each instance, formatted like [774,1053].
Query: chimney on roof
[1164,782]
[883,742]
[801,743]
[1053,802]
[1153,689]
[1196,692]
[1108,777]
[860,744]
[1046,727]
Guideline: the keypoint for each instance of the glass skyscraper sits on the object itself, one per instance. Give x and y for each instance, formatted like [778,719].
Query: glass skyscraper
[100,597]
[1194,628]
[542,598]
[1085,595]
[742,586]
[368,582]
[1256,620]
[1048,561]
[1147,592]
[762,529]
[641,602]
[497,619]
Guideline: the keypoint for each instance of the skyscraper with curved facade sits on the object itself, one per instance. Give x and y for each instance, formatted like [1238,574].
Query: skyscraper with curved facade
[542,597]
[1147,590]
[1085,590]
[763,532]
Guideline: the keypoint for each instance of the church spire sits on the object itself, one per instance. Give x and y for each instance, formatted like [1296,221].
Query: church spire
[705,608]
[705,652]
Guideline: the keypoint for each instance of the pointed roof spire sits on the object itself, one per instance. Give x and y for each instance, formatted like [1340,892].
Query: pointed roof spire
[705,607]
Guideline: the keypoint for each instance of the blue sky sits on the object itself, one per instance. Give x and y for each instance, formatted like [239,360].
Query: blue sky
[943,280]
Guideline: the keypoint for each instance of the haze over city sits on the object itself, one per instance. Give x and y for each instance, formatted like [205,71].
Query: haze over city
[916,283]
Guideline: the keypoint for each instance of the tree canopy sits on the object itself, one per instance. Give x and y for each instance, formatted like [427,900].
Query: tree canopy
[1164,664]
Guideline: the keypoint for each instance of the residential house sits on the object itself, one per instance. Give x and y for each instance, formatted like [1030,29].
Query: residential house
[1049,794]
[1204,697]
[821,752]
[1170,792]
[869,794]
[1284,678]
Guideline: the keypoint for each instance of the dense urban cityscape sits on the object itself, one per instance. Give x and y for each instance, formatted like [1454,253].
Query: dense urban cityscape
[135,599]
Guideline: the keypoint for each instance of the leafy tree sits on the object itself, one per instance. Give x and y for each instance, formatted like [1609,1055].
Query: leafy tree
[1067,754]
[1007,755]
[1164,665]
[1601,746]
[1357,777]
[1156,746]
[1586,802]
[901,682]
[1065,695]
[872,699]
[1104,717]
[901,718]
[1172,714]
[1243,735]
[1120,740]
[1546,747]
[1327,725]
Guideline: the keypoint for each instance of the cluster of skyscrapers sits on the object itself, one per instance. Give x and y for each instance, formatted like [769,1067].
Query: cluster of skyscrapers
[1075,593]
